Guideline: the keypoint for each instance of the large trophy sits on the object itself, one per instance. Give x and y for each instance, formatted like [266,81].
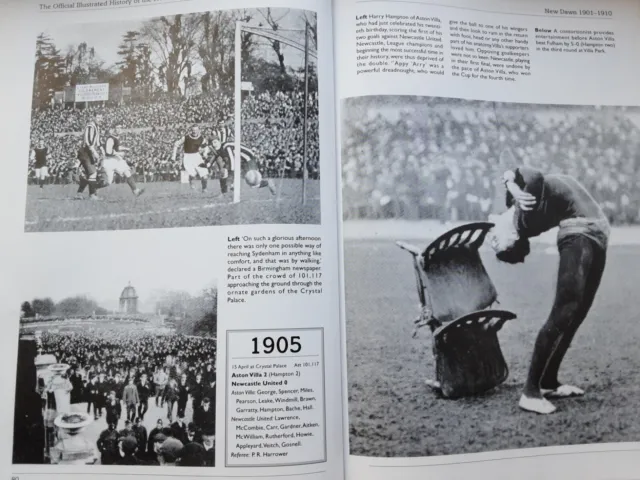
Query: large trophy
[72,448]
[69,446]
[455,293]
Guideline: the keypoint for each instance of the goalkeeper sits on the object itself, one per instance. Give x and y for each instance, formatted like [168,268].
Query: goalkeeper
[224,157]
[538,203]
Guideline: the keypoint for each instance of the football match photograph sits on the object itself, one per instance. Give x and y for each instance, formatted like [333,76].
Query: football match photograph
[118,368]
[492,253]
[195,119]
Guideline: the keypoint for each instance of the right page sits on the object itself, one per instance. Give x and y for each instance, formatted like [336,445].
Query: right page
[490,157]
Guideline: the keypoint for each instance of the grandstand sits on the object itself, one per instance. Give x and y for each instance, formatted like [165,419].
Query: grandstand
[434,158]
[269,121]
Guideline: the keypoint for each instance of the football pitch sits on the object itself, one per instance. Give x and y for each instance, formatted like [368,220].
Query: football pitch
[168,204]
[394,414]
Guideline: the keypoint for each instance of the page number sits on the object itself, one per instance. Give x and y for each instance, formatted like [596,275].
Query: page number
[268,345]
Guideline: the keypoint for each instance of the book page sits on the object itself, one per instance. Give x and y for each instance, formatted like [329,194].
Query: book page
[170,247]
[490,203]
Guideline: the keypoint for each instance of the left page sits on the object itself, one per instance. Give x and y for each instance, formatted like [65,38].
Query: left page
[169,249]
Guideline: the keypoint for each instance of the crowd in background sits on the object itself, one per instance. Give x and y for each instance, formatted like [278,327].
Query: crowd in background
[117,373]
[124,318]
[444,161]
[272,126]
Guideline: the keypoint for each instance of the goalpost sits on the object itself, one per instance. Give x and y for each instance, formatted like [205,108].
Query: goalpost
[267,33]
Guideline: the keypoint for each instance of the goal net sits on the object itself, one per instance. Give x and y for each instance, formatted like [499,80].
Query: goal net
[293,154]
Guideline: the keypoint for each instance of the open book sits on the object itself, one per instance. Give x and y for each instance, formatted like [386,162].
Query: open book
[341,240]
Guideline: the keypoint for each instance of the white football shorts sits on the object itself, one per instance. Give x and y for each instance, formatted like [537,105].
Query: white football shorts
[42,173]
[192,162]
[115,164]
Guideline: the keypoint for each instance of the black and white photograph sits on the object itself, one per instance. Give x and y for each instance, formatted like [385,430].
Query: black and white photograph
[133,123]
[118,368]
[492,253]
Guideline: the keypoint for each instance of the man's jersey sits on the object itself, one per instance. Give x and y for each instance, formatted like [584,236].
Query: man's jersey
[247,156]
[112,145]
[40,156]
[559,197]
[91,137]
[224,133]
[193,144]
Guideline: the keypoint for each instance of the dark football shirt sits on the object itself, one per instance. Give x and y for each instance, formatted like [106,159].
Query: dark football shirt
[193,145]
[41,157]
[559,197]
[112,145]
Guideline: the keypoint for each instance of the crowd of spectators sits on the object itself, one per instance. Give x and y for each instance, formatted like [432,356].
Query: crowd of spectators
[117,373]
[53,319]
[272,126]
[444,160]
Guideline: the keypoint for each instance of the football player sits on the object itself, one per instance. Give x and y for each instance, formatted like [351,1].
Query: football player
[538,203]
[114,162]
[90,157]
[223,132]
[195,150]
[39,157]
[224,156]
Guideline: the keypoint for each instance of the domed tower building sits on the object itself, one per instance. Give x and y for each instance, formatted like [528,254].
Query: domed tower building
[129,300]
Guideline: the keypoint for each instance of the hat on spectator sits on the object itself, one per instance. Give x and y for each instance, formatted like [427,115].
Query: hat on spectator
[129,444]
[159,438]
[171,449]
[192,455]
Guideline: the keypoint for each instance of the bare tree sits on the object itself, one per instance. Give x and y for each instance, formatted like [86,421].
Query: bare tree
[216,47]
[247,40]
[274,23]
[174,42]
[82,65]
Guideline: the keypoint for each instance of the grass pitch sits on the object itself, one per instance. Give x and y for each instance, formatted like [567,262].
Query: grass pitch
[393,414]
[166,205]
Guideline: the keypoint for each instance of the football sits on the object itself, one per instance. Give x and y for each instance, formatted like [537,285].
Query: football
[253,178]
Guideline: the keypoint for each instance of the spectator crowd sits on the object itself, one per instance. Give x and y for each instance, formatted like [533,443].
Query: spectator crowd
[119,373]
[442,159]
[272,126]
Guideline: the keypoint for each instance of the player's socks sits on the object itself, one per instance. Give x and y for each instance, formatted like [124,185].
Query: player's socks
[93,187]
[82,185]
[132,184]
[42,183]
[224,187]
[204,184]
